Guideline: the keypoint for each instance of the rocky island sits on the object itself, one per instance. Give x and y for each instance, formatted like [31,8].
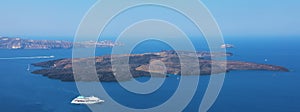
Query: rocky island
[139,65]
[18,43]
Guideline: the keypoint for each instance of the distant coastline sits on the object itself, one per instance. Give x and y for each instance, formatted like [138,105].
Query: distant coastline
[19,43]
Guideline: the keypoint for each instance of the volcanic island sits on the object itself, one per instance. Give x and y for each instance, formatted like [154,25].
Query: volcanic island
[144,65]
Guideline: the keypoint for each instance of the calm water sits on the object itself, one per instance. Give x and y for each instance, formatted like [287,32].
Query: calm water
[249,91]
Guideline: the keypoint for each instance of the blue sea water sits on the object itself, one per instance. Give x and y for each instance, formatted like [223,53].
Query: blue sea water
[246,91]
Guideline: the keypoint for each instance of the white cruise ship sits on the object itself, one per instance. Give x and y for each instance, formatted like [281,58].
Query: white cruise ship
[87,100]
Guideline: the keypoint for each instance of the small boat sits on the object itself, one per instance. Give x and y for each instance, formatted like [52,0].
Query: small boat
[86,100]
[227,46]
[266,60]
[28,67]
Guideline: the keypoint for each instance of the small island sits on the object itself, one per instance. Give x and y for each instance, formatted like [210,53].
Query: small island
[139,65]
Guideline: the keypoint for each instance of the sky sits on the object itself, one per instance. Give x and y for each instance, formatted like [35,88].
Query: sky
[236,18]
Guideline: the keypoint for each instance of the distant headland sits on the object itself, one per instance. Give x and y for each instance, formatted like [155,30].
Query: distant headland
[19,43]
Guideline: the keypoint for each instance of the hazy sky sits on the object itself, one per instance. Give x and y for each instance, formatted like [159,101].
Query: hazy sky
[60,18]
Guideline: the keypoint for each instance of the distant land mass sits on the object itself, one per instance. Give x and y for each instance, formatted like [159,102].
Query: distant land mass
[139,65]
[18,43]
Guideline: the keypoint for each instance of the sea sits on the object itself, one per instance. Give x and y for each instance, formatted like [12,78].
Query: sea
[243,91]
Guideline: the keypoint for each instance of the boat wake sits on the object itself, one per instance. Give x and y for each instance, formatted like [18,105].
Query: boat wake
[32,57]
